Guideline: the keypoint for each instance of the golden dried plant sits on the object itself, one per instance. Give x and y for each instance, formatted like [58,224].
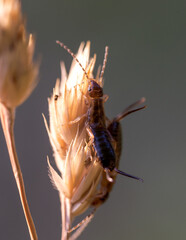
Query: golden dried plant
[17,70]
[17,80]
[80,172]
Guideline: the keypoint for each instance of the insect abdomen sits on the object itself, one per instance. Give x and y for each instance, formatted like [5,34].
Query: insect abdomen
[104,148]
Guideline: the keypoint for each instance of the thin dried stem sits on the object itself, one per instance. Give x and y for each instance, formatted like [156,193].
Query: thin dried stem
[66,217]
[82,227]
[7,120]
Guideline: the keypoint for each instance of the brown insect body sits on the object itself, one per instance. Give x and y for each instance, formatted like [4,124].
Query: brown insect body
[97,121]
[102,138]
[96,127]
[115,130]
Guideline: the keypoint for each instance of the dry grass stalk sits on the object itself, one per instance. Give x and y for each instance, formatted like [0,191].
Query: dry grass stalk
[17,80]
[80,172]
[7,120]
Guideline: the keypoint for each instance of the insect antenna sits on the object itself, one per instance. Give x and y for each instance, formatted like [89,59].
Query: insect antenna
[73,55]
[104,62]
[128,175]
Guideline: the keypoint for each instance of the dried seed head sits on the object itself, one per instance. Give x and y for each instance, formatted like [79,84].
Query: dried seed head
[80,172]
[17,71]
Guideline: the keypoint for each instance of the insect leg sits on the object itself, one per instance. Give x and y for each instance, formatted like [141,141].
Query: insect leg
[78,119]
[105,189]
[91,135]
[75,120]
[105,97]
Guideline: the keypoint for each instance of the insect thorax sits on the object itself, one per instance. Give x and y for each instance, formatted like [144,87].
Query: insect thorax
[96,114]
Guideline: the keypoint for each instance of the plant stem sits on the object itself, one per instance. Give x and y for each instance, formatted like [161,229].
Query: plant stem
[7,120]
[66,217]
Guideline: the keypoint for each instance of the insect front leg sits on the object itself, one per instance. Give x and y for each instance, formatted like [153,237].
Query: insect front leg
[78,119]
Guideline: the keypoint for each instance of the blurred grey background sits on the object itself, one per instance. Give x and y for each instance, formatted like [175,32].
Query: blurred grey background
[147,57]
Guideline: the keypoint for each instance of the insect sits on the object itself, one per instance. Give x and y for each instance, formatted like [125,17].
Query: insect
[104,138]
[114,128]
[104,135]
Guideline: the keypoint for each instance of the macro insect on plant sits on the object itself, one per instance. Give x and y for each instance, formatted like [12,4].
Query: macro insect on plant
[86,144]
[105,138]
